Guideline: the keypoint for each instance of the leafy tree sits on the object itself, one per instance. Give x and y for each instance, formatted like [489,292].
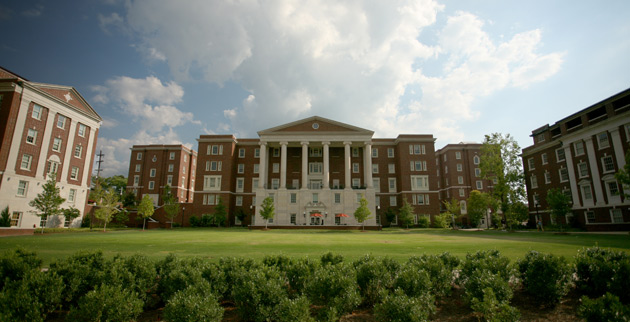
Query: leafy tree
[477,206]
[47,203]
[267,210]
[117,182]
[71,213]
[146,209]
[220,214]
[241,215]
[129,200]
[454,208]
[171,206]
[501,163]
[106,202]
[559,204]
[5,218]
[406,213]
[390,214]
[517,213]
[623,176]
[362,213]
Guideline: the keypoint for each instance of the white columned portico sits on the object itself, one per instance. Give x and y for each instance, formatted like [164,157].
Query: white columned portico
[47,133]
[592,160]
[283,165]
[262,171]
[70,152]
[304,164]
[575,194]
[367,156]
[326,165]
[616,142]
[347,164]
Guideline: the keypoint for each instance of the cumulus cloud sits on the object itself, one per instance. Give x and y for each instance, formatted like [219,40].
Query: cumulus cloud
[352,61]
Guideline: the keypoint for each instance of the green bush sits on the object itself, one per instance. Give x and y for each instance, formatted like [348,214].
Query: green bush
[195,303]
[440,269]
[299,273]
[106,303]
[257,292]
[331,259]
[545,277]
[488,260]
[480,280]
[424,221]
[334,286]
[607,308]
[442,220]
[399,307]
[80,272]
[136,273]
[231,268]
[494,310]
[375,278]
[413,281]
[31,298]
[294,310]
[15,264]
[177,275]
[600,270]
[215,275]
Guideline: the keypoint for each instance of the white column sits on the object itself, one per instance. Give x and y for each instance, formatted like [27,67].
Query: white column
[70,153]
[45,136]
[283,165]
[326,165]
[592,160]
[347,164]
[262,168]
[616,141]
[18,133]
[89,156]
[575,193]
[304,164]
[367,156]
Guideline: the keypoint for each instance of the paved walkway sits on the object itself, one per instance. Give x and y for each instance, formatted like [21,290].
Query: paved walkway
[570,232]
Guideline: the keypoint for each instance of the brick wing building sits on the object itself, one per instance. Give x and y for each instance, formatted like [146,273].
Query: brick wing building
[44,129]
[580,155]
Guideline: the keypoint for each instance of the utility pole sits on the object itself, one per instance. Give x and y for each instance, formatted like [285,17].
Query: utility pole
[100,156]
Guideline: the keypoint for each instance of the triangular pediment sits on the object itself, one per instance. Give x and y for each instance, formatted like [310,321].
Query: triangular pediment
[70,96]
[315,125]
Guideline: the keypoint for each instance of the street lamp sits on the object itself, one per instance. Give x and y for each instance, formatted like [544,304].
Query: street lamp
[251,211]
[183,210]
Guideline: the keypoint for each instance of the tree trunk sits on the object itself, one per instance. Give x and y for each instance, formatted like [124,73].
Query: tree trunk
[144,223]
[105,227]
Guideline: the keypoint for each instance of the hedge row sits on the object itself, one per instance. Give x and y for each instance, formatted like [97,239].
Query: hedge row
[88,287]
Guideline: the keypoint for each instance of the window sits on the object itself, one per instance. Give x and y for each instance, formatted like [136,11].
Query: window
[530,164]
[169,180]
[607,164]
[239,201]
[337,198]
[460,180]
[583,169]
[547,177]
[151,185]
[257,153]
[540,138]
[419,182]
[171,156]
[152,173]
[215,149]
[256,167]
[533,181]
[458,155]
[564,175]
[590,216]
[376,182]
[586,192]
[315,167]
[209,199]
[82,129]
[241,168]
[392,184]
[390,152]
[31,136]
[255,182]
[74,173]
[315,198]
[275,183]
[355,152]
[22,188]
[276,152]
[293,219]
[374,168]
[276,167]
[459,167]
[139,156]
[544,158]
[560,155]
[241,153]
[240,183]
[293,198]
[392,201]
[462,192]
[374,153]
[578,147]
[15,218]
[171,167]
[602,140]
[56,144]
[52,167]
[445,169]
[26,162]
[37,112]
[136,180]
[418,165]
[61,121]
[214,165]
[417,149]
[479,185]
[391,168]
[72,194]
[476,159]
[355,168]
[477,172]
[613,188]
[78,151]
[356,182]
[616,215]
[315,152]
[211,183]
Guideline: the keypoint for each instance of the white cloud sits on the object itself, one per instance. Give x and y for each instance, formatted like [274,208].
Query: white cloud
[113,20]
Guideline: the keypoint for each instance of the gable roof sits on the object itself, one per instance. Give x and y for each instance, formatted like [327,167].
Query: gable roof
[315,125]
[68,96]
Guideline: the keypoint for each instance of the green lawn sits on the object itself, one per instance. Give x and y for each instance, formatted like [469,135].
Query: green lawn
[213,243]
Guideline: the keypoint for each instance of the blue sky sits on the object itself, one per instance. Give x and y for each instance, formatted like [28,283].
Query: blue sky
[169,71]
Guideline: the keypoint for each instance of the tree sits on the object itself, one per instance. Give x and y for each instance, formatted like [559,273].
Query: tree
[47,203]
[146,209]
[240,214]
[516,214]
[454,208]
[477,206]
[623,176]
[171,206]
[390,214]
[406,213]
[118,183]
[5,218]
[267,210]
[220,214]
[362,213]
[559,204]
[107,202]
[71,213]
[501,162]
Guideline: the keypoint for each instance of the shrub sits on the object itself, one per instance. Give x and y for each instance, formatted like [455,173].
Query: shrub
[606,308]
[231,268]
[600,270]
[15,264]
[31,298]
[136,273]
[281,262]
[80,272]
[331,259]
[545,277]
[195,303]
[107,303]
[399,307]
[374,278]
[194,221]
[300,272]
[490,260]
[294,310]
[440,269]
[442,220]
[177,275]
[257,292]
[334,287]
[413,281]
[214,275]
[424,221]
[480,280]
[494,310]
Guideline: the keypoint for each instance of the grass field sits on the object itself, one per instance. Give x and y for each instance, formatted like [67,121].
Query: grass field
[213,243]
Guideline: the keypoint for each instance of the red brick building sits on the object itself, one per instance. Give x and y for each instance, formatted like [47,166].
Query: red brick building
[580,155]
[316,170]
[153,167]
[44,129]
[459,174]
